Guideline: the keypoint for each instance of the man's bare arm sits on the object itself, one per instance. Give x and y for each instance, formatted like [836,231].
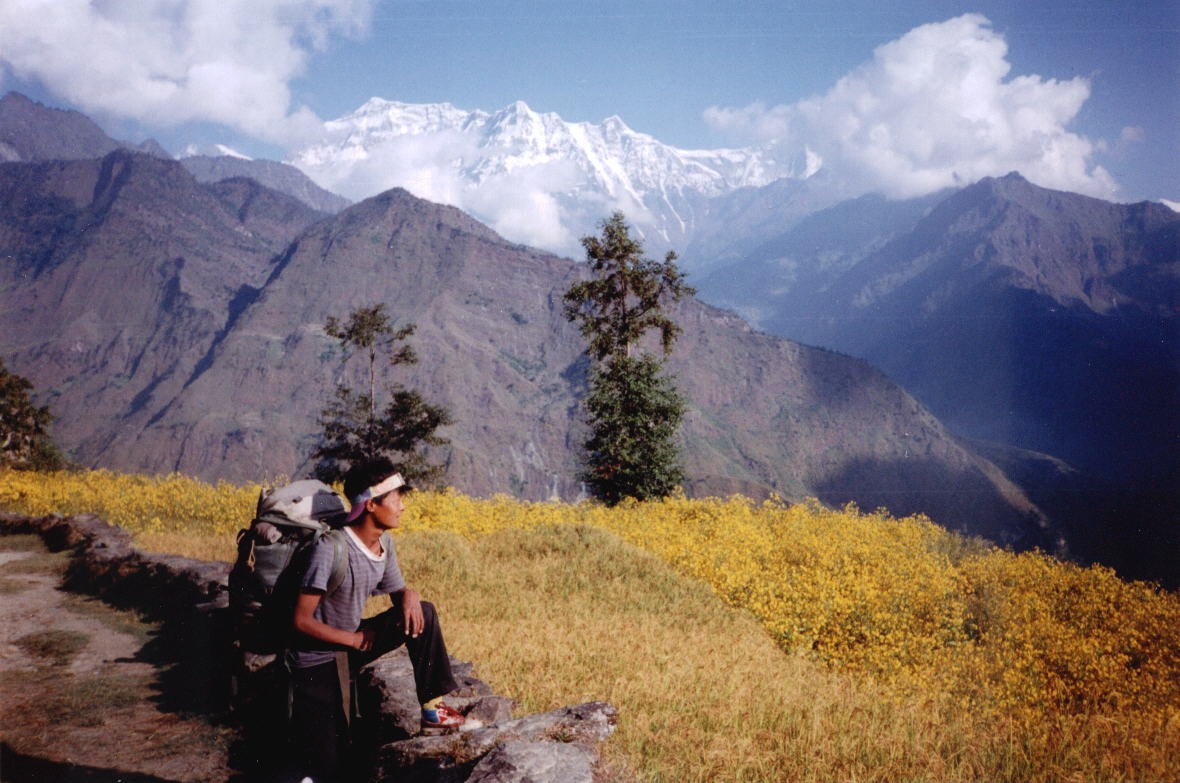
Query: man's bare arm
[306,623]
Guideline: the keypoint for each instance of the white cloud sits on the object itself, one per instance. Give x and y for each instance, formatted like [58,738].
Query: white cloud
[933,109]
[524,205]
[425,164]
[168,62]
[521,204]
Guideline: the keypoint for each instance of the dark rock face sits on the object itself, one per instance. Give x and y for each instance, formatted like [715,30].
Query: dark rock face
[541,762]
[559,746]
[388,683]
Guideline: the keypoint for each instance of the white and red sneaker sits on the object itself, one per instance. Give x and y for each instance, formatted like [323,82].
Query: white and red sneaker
[441,719]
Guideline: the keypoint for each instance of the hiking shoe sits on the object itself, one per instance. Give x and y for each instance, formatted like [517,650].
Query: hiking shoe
[441,719]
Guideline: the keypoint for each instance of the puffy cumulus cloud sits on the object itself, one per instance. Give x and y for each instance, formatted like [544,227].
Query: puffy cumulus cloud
[167,62]
[932,109]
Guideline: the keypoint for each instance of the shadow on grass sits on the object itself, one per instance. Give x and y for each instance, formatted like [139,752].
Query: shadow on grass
[19,768]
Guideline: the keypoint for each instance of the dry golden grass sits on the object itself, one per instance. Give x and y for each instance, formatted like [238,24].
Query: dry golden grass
[769,642]
[556,616]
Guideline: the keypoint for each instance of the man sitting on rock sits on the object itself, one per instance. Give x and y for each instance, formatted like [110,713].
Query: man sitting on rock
[333,641]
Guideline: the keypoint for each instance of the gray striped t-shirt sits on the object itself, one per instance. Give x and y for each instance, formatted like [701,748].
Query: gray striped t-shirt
[367,575]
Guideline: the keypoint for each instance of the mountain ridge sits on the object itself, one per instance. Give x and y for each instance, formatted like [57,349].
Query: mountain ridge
[238,367]
[32,132]
[276,176]
[78,237]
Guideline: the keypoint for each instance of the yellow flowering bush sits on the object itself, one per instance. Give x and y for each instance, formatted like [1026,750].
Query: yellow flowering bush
[140,504]
[1053,637]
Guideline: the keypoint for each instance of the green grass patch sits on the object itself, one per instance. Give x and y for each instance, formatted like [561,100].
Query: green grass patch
[69,700]
[28,555]
[124,621]
[54,647]
[88,701]
[47,563]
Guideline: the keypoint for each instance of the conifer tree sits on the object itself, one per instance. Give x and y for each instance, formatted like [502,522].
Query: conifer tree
[24,427]
[353,427]
[634,410]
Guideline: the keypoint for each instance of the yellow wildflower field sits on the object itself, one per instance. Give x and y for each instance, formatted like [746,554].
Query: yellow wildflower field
[962,660]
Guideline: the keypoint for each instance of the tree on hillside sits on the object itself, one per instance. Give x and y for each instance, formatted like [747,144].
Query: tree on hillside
[354,429]
[24,428]
[633,409]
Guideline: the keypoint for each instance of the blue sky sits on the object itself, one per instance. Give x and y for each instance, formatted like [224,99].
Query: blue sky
[259,75]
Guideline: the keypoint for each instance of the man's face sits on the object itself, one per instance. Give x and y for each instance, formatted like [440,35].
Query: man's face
[387,509]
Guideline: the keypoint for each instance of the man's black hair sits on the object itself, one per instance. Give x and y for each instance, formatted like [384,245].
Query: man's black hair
[363,475]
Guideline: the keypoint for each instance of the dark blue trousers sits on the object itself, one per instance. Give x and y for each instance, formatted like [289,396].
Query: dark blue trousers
[320,728]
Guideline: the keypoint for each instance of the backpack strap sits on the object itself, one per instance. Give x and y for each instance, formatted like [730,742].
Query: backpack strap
[339,560]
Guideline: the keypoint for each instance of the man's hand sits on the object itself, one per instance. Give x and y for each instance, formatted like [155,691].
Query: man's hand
[365,638]
[412,619]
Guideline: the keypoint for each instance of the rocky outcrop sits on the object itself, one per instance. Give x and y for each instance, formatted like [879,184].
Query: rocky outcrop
[556,746]
[191,595]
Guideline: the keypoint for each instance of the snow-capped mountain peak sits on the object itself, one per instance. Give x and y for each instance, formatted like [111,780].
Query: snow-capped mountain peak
[379,118]
[533,176]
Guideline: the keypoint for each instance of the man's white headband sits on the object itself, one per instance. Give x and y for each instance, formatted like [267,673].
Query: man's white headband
[377,490]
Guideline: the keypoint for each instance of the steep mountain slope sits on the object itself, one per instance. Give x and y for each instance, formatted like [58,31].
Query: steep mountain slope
[785,264]
[1039,319]
[165,340]
[272,217]
[117,274]
[1044,323]
[32,132]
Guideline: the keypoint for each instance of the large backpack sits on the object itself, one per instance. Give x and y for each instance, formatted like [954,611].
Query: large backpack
[273,553]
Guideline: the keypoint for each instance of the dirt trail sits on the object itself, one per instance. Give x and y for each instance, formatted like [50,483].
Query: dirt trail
[79,701]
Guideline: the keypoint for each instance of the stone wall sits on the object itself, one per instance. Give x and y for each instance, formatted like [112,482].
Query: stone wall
[189,599]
